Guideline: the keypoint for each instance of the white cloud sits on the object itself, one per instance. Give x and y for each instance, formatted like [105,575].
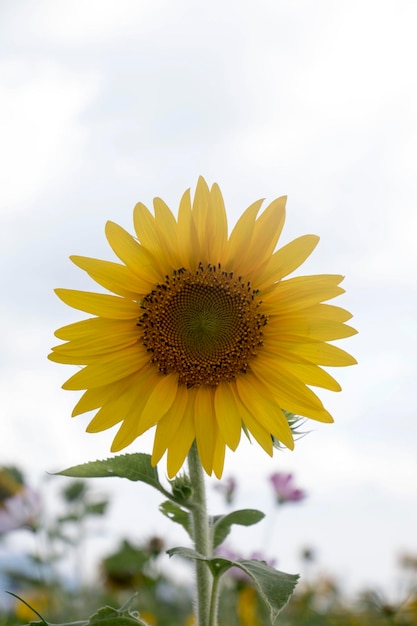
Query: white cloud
[77,22]
[40,126]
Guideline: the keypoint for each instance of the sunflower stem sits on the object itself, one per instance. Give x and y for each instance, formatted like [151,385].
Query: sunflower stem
[214,603]
[202,539]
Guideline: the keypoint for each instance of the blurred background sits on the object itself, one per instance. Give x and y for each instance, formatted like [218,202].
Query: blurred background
[106,103]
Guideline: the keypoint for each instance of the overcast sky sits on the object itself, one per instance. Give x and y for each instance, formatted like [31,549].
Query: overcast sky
[107,103]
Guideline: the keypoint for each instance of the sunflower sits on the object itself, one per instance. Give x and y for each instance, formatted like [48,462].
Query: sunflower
[203,337]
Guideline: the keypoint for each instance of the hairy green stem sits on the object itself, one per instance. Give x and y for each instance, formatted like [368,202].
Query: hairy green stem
[202,538]
[214,603]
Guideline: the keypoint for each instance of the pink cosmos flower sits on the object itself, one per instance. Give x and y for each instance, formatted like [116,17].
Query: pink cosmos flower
[285,491]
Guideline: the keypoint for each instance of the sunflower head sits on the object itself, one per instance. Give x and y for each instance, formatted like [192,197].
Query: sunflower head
[203,334]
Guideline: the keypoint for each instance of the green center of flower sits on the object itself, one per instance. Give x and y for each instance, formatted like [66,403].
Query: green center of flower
[205,326]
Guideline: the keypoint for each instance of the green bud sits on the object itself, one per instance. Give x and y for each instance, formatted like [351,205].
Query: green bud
[181,487]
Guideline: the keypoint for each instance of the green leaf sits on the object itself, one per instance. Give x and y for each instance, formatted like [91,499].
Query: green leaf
[187,553]
[96,508]
[134,467]
[217,565]
[129,561]
[176,514]
[75,491]
[71,517]
[275,587]
[243,517]
[108,616]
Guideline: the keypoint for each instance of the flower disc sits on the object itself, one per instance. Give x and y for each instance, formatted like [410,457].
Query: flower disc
[205,326]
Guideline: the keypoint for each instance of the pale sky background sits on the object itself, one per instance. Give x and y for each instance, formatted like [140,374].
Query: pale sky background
[106,103]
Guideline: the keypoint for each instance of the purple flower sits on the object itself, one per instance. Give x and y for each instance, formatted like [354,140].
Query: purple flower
[19,505]
[19,510]
[285,491]
[227,488]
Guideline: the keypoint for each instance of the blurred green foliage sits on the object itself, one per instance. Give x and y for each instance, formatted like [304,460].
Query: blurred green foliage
[134,567]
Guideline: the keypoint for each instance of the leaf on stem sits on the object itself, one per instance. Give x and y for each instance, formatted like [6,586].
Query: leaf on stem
[222,523]
[136,467]
[275,587]
[107,616]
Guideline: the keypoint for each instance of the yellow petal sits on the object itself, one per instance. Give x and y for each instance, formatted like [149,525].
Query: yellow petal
[109,369]
[184,212]
[308,329]
[286,260]
[200,209]
[164,218]
[144,223]
[262,436]
[155,394]
[100,304]
[94,326]
[259,401]
[65,359]
[269,225]
[91,399]
[160,400]
[227,415]
[135,399]
[93,346]
[115,406]
[316,311]
[97,397]
[169,424]
[216,227]
[135,256]
[301,292]
[308,373]
[114,277]
[106,418]
[318,353]
[125,435]
[218,457]
[290,393]
[266,233]
[183,439]
[159,234]
[189,248]
[205,427]
[167,229]
[241,236]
